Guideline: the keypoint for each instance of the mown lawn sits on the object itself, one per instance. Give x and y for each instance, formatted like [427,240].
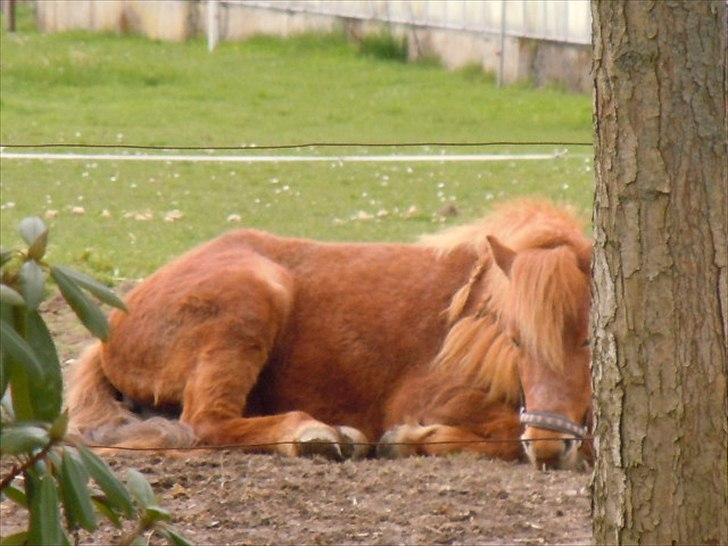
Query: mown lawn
[87,88]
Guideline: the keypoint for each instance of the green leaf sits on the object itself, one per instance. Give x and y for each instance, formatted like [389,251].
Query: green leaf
[10,296]
[19,350]
[5,256]
[35,395]
[140,489]
[117,496]
[102,506]
[6,312]
[37,250]
[31,228]
[40,467]
[154,513]
[18,539]
[32,282]
[54,459]
[6,406]
[19,394]
[85,309]
[46,396]
[45,518]
[174,538]
[22,438]
[16,495]
[59,427]
[104,293]
[6,366]
[73,453]
[75,495]
[4,373]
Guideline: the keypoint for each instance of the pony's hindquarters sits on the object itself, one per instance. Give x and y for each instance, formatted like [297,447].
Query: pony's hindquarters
[101,419]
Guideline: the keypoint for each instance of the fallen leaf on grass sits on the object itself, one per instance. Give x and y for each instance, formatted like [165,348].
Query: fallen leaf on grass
[173,215]
[411,211]
[140,216]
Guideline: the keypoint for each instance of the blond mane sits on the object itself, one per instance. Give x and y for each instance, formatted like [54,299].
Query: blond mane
[545,294]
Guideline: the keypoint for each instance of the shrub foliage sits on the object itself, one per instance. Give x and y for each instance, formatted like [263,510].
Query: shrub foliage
[63,485]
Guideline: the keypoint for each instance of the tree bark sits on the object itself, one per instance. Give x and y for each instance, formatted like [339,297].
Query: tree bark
[660,313]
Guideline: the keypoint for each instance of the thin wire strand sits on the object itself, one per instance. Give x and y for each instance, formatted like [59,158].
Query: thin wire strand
[446,144]
[368,444]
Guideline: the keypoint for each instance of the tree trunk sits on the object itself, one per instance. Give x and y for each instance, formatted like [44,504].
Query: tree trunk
[660,313]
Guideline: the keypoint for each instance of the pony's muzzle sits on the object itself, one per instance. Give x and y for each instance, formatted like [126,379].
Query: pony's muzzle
[549,449]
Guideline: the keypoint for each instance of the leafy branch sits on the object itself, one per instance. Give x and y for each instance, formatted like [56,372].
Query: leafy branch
[56,472]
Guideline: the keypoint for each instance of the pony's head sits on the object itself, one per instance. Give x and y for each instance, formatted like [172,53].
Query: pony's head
[544,309]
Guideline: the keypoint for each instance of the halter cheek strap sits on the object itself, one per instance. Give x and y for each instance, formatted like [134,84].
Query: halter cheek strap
[552,421]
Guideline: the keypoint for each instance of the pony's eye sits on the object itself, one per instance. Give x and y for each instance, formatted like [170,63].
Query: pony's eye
[515,342]
[586,343]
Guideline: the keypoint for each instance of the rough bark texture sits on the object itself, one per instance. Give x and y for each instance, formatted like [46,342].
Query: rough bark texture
[660,317]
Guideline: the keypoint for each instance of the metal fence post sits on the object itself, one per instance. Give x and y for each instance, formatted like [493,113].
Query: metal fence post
[9,9]
[213,24]
[502,60]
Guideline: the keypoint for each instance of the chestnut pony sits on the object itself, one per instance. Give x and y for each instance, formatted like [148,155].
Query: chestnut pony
[298,347]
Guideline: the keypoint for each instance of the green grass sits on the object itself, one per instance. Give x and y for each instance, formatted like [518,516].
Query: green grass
[79,87]
[384,45]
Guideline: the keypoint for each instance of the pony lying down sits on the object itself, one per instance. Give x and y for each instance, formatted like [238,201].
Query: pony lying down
[470,340]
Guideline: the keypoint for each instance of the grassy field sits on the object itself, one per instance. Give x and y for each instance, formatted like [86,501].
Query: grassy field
[79,87]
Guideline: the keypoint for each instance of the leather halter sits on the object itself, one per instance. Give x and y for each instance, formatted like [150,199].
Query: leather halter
[552,421]
[549,420]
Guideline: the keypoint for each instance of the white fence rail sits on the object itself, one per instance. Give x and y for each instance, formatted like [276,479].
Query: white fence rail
[541,41]
[565,21]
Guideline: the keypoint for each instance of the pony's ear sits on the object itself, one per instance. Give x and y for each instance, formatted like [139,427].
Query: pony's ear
[502,255]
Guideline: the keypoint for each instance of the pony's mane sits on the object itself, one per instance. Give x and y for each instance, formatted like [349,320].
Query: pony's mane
[519,224]
[544,294]
[547,299]
[478,354]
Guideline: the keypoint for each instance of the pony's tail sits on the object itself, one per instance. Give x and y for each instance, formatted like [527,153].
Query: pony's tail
[101,419]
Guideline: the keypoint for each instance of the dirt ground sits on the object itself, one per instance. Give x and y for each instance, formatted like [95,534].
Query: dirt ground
[230,497]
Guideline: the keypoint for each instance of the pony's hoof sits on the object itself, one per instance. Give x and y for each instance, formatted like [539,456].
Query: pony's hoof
[386,449]
[321,440]
[354,444]
[405,441]
[390,445]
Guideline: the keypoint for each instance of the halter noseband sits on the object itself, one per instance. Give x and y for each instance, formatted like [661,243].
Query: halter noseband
[549,421]
[552,421]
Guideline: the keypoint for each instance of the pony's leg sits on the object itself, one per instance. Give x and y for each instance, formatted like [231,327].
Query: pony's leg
[497,438]
[457,419]
[214,400]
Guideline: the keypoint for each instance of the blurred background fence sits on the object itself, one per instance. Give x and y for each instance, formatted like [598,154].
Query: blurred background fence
[541,41]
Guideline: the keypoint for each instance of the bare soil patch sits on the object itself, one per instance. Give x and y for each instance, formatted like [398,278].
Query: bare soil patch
[236,498]
[230,497]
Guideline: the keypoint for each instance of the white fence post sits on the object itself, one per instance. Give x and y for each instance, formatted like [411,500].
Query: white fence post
[213,24]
